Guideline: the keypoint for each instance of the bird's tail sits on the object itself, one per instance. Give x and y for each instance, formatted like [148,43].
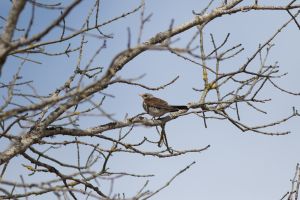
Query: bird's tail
[180,107]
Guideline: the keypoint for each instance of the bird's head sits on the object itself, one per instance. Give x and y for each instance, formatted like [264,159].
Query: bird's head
[146,95]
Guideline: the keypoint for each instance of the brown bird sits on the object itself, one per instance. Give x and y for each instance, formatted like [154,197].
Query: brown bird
[157,107]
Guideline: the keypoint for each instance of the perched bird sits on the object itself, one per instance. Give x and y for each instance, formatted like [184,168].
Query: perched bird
[157,107]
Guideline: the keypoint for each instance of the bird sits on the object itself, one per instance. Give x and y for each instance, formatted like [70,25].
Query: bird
[157,107]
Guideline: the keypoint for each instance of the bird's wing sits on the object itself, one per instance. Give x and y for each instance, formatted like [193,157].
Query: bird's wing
[158,103]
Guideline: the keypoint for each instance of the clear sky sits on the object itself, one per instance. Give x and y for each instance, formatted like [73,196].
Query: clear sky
[238,165]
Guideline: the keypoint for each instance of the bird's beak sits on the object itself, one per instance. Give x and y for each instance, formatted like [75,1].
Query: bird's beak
[141,95]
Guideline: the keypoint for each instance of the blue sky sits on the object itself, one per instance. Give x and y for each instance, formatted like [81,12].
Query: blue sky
[237,165]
